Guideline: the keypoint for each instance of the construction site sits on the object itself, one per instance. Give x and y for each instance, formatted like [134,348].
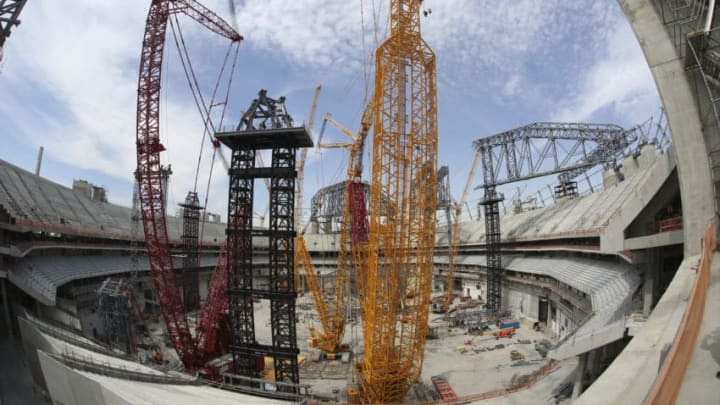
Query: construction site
[583,273]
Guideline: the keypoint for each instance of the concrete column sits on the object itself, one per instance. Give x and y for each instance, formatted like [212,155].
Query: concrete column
[683,117]
[579,376]
[648,287]
[595,358]
[6,307]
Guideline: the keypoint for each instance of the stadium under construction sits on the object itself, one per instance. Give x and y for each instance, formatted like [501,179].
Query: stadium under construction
[600,288]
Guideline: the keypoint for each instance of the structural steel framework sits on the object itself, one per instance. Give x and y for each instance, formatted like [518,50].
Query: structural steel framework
[191,273]
[401,238]
[265,125]
[351,195]
[115,310]
[538,150]
[9,17]
[327,204]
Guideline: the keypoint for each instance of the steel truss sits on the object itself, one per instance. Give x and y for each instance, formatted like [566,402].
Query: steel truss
[537,150]
[9,17]
[115,310]
[265,125]
[328,203]
[191,272]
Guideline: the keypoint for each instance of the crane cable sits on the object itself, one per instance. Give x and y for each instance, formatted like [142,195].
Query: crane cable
[195,87]
[217,149]
[200,103]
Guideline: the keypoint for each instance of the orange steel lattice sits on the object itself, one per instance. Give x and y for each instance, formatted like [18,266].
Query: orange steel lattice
[353,247]
[402,228]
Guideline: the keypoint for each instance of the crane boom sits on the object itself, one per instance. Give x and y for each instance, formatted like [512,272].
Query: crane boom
[300,167]
[403,202]
[455,237]
[149,173]
[328,118]
[353,242]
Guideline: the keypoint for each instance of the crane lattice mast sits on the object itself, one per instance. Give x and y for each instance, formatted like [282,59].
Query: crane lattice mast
[402,230]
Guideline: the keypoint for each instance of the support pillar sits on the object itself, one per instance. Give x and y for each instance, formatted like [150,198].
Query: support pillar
[579,376]
[491,203]
[6,307]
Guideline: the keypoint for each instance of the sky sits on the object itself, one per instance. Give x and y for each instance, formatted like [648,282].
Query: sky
[68,81]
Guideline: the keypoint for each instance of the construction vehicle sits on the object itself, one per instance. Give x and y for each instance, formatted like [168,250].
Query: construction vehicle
[504,333]
[215,368]
[353,241]
[516,355]
[193,351]
[395,285]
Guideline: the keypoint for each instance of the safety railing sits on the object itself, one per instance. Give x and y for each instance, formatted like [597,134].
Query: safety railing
[670,378]
[90,365]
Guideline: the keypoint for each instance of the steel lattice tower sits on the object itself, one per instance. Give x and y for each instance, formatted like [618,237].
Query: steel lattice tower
[190,274]
[114,308]
[491,203]
[265,125]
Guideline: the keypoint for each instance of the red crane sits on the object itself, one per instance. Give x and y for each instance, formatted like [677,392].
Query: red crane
[152,201]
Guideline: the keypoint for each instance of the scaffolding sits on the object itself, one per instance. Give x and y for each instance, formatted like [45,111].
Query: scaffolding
[115,310]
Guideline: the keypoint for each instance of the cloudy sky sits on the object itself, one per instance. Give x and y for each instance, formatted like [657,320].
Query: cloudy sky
[69,79]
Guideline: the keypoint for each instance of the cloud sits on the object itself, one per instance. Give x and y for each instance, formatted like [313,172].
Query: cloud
[619,80]
[83,76]
[74,64]
[477,39]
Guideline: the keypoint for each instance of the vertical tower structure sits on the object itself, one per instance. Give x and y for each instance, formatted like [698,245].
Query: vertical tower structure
[114,308]
[191,248]
[401,238]
[491,204]
[265,126]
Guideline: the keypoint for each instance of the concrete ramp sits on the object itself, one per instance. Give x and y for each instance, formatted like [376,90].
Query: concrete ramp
[579,344]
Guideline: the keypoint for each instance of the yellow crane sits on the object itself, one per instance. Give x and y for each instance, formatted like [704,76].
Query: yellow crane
[352,242]
[403,200]
[455,236]
[300,248]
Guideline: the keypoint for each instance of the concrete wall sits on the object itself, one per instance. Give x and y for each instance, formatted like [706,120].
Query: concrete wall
[471,287]
[33,341]
[613,236]
[69,387]
[683,116]
[60,316]
[562,324]
[523,303]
